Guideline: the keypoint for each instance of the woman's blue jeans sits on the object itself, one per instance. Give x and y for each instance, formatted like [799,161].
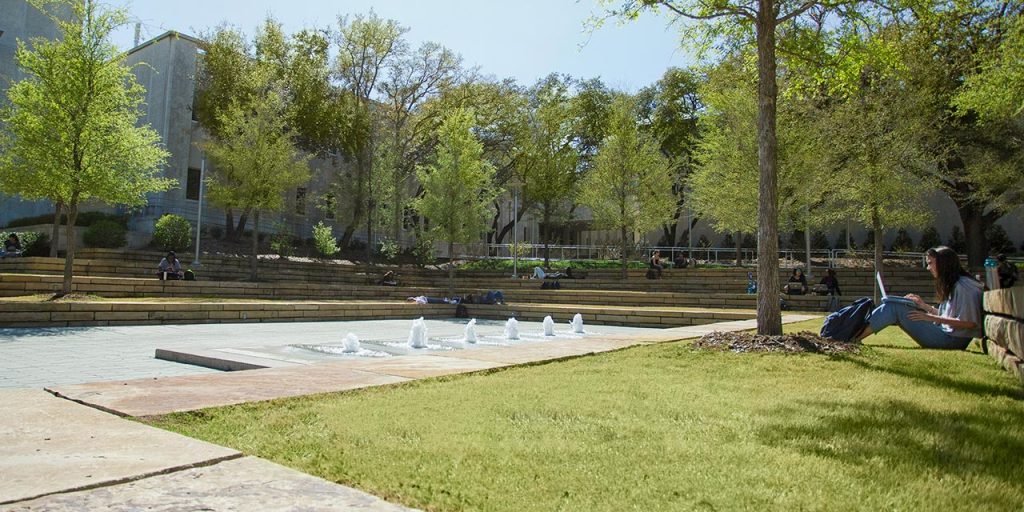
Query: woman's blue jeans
[926,334]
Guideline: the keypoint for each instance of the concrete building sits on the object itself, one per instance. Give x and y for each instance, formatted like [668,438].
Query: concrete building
[19,21]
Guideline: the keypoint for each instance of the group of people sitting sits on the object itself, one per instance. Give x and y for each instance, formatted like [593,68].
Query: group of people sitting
[797,284]
[655,265]
[12,247]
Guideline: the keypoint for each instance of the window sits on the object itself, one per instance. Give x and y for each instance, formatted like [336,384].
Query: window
[300,201]
[192,185]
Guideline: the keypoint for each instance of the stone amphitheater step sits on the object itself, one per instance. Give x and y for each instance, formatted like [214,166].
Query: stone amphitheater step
[129,312]
[109,263]
[14,285]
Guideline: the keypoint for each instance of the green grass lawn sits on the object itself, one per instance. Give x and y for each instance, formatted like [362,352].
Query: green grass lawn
[664,428]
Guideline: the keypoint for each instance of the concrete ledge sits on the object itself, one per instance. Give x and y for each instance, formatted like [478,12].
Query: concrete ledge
[86,314]
[1006,332]
[49,445]
[1008,361]
[247,483]
[1006,301]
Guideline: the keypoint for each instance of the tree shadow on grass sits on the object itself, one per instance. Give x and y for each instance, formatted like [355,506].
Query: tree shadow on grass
[906,437]
[939,377]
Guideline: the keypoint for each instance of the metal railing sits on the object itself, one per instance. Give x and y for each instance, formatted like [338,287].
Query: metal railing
[820,258]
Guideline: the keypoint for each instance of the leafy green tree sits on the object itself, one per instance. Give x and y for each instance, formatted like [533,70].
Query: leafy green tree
[70,132]
[548,162]
[819,241]
[256,160]
[457,189]
[365,45]
[670,111]
[981,156]
[996,90]
[903,241]
[871,140]
[722,184]
[999,241]
[501,113]
[225,77]
[734,23]
[630,187]
[929,238]
[413,79]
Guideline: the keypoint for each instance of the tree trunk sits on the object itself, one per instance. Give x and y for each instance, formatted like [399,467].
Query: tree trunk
[396,218]
[876,224]
[254,257]
[229,224]
[368,162]
[451,268]
[622,249]
[510,226]
[69,256]
[807,249]
[547,237]
[769,314]
[55,234]
[976,224]
[849,238]
[739,248]
[346,236]
[240,229]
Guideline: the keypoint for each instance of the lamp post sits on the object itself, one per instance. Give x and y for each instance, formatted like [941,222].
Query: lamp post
[515,233]
[199,212]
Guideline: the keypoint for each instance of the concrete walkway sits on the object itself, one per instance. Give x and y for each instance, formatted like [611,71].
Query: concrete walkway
[59,455]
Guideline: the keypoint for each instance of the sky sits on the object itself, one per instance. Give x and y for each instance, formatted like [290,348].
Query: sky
[522,39]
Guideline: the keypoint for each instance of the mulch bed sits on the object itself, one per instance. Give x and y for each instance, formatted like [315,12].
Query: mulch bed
[787,343]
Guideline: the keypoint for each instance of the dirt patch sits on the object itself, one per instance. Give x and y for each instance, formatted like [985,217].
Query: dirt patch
[791,343]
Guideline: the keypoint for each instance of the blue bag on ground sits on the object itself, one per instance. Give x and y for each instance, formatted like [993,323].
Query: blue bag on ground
[845,324]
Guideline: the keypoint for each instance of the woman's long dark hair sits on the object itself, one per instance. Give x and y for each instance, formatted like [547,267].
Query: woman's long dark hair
[947,266]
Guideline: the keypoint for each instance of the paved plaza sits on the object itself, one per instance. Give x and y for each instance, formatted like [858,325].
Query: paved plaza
[37,358]
[57,454]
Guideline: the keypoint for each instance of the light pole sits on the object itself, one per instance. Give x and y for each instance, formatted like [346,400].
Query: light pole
[515,233]
[199,211]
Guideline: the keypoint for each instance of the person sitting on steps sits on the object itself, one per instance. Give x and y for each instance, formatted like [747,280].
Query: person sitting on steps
[170,267]
[952,324]
[655,265]
[797,284]
[12,246]
[389,279]
[680,261]
[831,283]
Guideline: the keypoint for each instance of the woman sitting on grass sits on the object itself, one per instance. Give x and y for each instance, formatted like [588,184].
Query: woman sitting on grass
[950,326]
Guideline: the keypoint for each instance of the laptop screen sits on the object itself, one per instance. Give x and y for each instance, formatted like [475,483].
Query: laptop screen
[881,287]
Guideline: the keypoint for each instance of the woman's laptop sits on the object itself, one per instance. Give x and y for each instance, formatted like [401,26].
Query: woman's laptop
[894,300]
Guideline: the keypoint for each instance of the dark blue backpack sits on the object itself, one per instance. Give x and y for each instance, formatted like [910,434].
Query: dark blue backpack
[845,324]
